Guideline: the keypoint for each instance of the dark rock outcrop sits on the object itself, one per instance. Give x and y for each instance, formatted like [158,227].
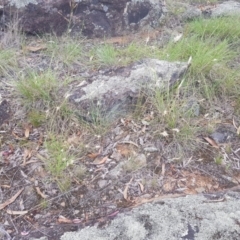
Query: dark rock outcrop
[93,18]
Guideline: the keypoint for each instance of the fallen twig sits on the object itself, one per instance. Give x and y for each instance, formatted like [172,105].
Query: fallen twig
[11,200]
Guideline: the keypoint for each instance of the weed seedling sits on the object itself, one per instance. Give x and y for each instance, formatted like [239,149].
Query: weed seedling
[218,160]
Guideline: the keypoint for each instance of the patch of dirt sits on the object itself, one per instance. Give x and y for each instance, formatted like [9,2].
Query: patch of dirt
[42,209]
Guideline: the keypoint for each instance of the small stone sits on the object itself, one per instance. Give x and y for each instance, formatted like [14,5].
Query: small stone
[38,216]
[145,123]
[200,190]
[141,142]
[150,149]
[219,137]
[102,183]
[75,212]
[115,172]
[193,107]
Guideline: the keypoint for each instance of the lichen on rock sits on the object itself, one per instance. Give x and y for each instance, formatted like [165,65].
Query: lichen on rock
[21,3]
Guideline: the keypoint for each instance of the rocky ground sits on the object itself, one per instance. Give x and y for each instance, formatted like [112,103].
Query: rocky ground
[117,165]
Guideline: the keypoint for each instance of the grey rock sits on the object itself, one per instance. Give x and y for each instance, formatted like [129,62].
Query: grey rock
[42,238]
[223,134]
[21,3]
[191,13]
[116,171]
[102,183]
[219,137]
[226,8]
[192,107]
[115,95]
[190,217]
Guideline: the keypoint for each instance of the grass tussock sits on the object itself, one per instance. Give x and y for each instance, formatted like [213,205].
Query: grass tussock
[205,53]
[136,51]
[65,49]
[110,55]
[97,121]
[8,61]
[11,41]
[37,86]
[224,28]
[105,55]
[12,38]
[176,115]
[42,91]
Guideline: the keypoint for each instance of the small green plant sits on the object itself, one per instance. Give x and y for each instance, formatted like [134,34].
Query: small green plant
[37,86]
[59,157]
[228,148]
[218,160]
[36,118]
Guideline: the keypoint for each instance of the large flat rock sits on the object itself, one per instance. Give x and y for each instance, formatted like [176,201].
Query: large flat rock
[191,217]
